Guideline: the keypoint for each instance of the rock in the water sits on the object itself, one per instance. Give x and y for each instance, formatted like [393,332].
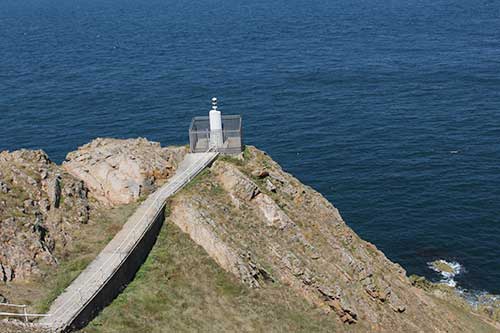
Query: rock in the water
[443,266]
[120,171]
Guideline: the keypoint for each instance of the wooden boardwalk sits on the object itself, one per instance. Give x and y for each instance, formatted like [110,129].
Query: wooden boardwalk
[90,283]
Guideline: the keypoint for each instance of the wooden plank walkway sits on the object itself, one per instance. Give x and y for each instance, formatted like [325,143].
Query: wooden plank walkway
[67,307]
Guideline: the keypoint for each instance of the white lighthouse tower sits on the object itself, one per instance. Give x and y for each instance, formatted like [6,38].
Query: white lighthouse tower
[216,137]
[217,132]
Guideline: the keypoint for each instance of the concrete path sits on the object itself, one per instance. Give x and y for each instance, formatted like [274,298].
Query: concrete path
[87,286]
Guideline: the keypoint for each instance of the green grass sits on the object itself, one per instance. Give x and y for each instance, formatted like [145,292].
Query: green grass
[87,241]
[231,159]
[195,182]
[235,160]
[59,280]
[216,189]
[181,289]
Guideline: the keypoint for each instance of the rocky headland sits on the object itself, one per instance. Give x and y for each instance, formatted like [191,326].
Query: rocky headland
[264,226]
[49,210]
[255,222]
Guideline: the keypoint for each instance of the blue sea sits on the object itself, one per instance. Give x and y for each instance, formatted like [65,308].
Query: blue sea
[391,109]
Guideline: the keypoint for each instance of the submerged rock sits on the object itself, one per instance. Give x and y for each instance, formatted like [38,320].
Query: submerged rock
[448,271]
[443,267]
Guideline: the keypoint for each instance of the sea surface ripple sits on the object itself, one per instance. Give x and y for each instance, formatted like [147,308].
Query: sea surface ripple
[391,109]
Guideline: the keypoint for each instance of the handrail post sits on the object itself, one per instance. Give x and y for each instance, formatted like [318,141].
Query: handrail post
[25,314]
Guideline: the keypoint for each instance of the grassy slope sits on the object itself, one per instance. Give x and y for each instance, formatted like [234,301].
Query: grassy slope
[87,242]
[181,289]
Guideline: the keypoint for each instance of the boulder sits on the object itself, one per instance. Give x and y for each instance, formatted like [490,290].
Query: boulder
[270,186]
[121,171]
[260,173]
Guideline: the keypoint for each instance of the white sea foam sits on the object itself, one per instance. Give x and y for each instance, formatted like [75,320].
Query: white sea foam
[473,297]
[476,297]
[448,277]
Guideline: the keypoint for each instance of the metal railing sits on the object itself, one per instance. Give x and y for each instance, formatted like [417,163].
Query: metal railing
[25,313]
[99,276]
[232,135]
[155,207]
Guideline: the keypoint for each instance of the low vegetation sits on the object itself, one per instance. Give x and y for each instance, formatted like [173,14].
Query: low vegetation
[291,256]
[86,243]
[181,289]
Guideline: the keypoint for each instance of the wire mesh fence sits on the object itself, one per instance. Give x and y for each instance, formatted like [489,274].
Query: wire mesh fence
[77,298]
[200,136]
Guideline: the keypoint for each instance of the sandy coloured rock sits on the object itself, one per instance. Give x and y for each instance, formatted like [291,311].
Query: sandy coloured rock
[121,171]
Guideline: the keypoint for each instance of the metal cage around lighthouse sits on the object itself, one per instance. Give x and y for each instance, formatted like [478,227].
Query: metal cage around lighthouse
[199,135]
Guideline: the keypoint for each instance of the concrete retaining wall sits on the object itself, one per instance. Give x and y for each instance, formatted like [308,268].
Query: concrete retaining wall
[122,277]
[109,273]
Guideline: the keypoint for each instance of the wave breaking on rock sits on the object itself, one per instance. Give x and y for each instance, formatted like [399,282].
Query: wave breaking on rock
[448,270]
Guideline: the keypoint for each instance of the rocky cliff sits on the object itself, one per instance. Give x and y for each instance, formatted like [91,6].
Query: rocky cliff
[45,208]
[287,248]
[40,206]
[265,227]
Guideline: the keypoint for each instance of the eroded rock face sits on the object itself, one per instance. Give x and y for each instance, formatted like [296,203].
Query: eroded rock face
[120,171]
[264,226]
[231,259]
[39,204]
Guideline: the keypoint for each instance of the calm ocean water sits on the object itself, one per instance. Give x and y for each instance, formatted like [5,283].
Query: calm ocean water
[391,109]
